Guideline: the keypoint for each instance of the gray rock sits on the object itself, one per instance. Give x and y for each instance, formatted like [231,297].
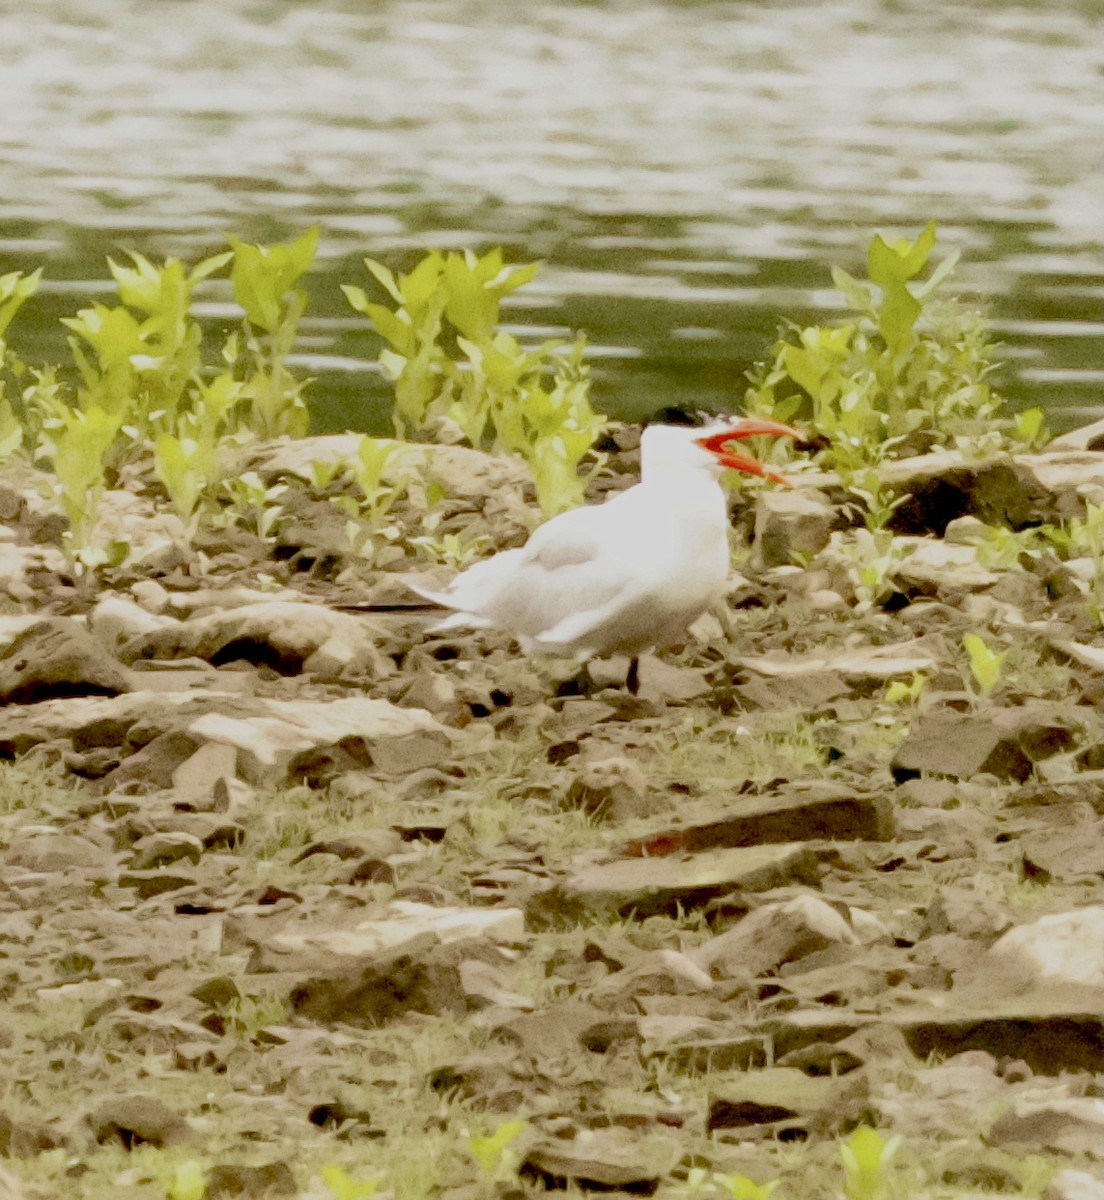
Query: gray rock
[1060,950]
[1071,1184]
[156,882]
[135,1119]
[59,852]
[786,1100]
[960,745]
[1085,437]
[772,935]
[821,809]
[161,849]
[603,1159]
[402,922]
[789,523]
[56,657]
[315,739]
[866,665]
[240,1179]
[1068,1125]
[646,886]
[421,975]
[197,778]
[612,789]
[288,635]
[115,620]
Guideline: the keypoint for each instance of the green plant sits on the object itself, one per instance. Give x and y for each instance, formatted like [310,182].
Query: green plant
[16,289]
[1083,537]
[867,1157]
[368,529]
[79,454]
[343,1187]
[741,1187]
[457,550]
[904,371]
[872,557]
[898,692]
[252,504]
[448,360]
[138,360]
[265,281]
[493,1154]
[986,664]
[189,1181]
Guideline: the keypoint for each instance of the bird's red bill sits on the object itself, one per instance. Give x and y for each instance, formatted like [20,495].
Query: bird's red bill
[717,444]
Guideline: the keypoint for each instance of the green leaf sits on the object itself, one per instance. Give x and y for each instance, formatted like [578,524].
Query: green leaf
[942,272]
[742,1187]
[385,279]
[15,289]
[262,276]
[418,287]
[857,294]
[488,1151]
[888,265]
[806,369]
[1031,426]
[208,266]
[11,431]
[986,664]
[189,1181]
[392,328]
[898,314]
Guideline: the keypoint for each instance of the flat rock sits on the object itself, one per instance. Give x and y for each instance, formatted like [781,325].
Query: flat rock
[403,921]
[960,745]
[134,1119]
[787,1100]
[116,620]
[462,470]
[56,657]
[95,721]
[647,886]
[59,852]
[1050,1033]
[1071,1184]
[1084,437]
[772,935]
[874,664]
[285,738]
[1060,950]
[288,635]
[824,810]
[1003,490]
[240,1179]
[602,1159]
[789,523]
[1068,1125]
[421,975]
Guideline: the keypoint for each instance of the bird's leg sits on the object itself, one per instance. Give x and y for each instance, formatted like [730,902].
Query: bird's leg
[632,679]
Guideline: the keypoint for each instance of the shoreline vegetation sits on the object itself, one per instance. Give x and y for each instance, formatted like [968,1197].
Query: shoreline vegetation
[300,900]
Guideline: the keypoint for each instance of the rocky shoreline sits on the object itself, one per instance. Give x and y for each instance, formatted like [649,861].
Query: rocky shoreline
[288,882]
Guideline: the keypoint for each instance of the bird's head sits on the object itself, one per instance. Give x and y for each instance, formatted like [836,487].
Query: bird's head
[707,447]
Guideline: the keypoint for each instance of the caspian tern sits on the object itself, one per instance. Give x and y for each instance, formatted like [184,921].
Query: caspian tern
[625,576]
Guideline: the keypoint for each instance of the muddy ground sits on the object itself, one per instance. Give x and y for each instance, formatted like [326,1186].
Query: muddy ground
[290,884]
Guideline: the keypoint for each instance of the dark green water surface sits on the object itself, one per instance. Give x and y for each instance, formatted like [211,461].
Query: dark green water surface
[687,170]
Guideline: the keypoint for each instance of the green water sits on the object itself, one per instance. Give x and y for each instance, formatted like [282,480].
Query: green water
[686,170]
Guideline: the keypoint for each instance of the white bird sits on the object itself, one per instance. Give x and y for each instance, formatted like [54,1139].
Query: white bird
[625,576]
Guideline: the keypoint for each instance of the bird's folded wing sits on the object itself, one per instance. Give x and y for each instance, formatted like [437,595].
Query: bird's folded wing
[568,540]
[573,629]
